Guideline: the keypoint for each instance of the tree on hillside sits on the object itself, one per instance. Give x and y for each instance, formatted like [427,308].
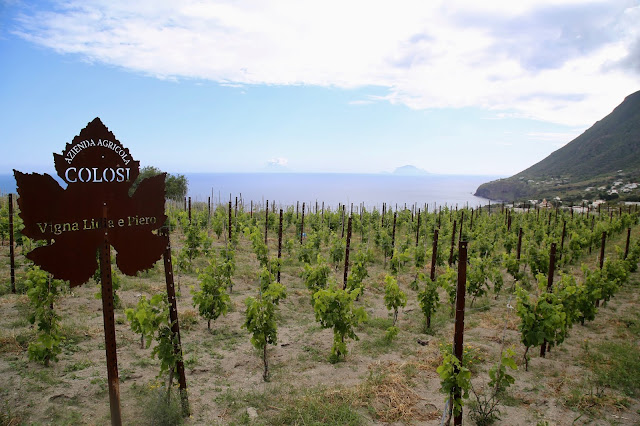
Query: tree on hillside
[175,185]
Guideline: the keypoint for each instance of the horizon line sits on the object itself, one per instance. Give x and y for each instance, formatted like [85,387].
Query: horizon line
[266,172]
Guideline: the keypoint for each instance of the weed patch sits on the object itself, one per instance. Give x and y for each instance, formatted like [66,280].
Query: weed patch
[159,408]
[616,365]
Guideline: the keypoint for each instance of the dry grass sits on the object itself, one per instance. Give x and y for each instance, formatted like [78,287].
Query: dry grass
[389,392]
[10,344]
[491,321]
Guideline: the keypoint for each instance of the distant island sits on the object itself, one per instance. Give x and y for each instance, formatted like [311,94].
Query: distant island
[410,170]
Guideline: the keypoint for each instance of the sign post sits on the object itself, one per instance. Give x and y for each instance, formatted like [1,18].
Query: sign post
[109,325]
[12,254]
[97,209]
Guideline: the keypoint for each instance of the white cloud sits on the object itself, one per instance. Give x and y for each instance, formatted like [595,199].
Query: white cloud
[558,61]
[278,162]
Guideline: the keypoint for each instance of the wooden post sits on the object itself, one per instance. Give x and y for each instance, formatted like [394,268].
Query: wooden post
[342,219]
[175,327]
[393,233]
[209,205]
[346,253]
[593,224]
[458,338]
[251,210]
[453,241]
[434,255]
[626,247]
[418,228]
[280,242]
[602,244]
[266,221]
[302,224]
[519,247]
[461,222]
[109,325]
[189,210]
[235,210]
[12,253]
[297,209]
[564,234]
[230,222]
[552,266]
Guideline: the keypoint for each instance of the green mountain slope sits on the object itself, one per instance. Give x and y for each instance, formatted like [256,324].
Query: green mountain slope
[610,149]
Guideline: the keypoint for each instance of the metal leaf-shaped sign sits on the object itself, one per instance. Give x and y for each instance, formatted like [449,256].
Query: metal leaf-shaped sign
[94,206]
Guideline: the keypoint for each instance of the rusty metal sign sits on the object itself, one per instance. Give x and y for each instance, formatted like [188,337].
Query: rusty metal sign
[94,206]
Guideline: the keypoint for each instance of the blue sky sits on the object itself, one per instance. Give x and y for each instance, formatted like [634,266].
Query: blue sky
[453,87]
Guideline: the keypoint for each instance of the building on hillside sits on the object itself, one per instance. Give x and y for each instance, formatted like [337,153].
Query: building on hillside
[545,204]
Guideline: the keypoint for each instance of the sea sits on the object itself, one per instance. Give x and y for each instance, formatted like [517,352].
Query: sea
[331,188]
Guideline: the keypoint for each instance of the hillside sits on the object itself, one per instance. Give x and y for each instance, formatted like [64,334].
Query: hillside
[608,151]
